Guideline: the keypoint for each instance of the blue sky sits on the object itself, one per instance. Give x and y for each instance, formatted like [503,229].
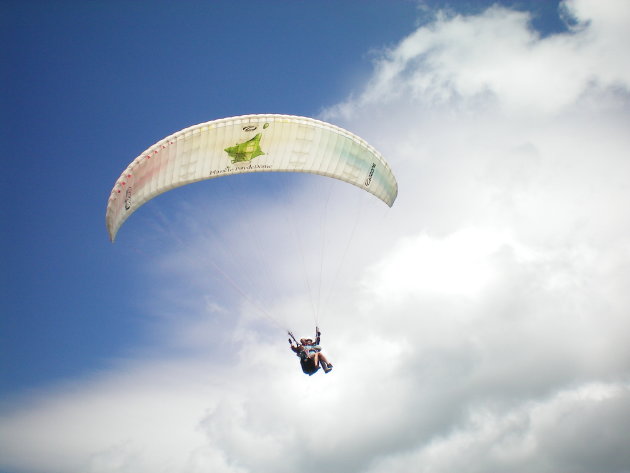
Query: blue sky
[92,85]
[494,299]
[89,86]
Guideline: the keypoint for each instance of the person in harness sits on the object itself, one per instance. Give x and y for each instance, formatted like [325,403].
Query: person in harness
[310,354]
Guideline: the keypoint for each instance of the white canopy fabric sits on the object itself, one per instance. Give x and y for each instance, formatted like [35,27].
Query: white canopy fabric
[247,144]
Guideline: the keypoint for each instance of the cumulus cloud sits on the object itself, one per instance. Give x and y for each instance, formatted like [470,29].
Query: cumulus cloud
[496,55]
[483,324]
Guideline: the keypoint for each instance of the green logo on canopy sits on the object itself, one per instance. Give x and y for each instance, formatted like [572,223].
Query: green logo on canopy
[245,151]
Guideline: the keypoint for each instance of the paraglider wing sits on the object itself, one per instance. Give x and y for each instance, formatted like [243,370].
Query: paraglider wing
[245,144]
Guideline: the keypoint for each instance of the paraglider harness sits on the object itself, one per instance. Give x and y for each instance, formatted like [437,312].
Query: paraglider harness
[302,353]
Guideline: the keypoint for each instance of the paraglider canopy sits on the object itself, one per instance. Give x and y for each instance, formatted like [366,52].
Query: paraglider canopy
[248,144]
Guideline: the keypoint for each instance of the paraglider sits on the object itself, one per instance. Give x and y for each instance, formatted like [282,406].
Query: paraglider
[252,144]
[310,353]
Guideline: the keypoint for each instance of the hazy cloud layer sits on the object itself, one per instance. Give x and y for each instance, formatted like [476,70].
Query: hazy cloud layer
[484,320]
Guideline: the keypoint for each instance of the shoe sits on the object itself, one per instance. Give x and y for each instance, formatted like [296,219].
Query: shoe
[328,369]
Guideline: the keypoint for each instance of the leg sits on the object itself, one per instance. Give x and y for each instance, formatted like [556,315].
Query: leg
[326,365]
[324,361]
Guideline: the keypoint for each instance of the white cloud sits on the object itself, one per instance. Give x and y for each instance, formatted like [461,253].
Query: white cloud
[455,265]
[484,320]
[535,436]
[496,56]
